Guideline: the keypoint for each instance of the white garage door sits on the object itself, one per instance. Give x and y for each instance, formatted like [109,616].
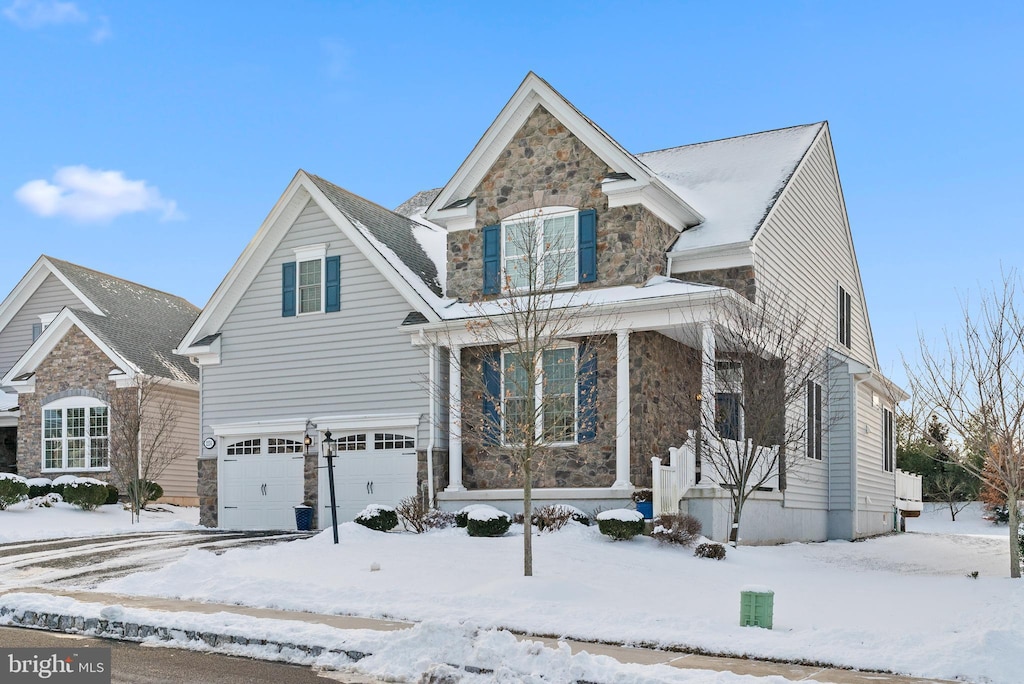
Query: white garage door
[371,467]
[261,482]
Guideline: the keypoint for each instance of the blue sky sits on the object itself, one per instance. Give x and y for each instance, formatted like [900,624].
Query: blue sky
[200,113]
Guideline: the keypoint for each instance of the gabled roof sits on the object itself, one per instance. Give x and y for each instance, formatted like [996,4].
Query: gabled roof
[137,324]
[733,182]
[418,203]
[394,230]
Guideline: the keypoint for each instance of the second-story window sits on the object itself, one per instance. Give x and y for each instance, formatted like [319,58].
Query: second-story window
[310,285]
[540,249]
[844,300]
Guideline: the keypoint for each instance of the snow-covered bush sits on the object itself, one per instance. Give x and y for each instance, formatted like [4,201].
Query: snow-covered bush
[13,488]
[112,494]
[437,519]
[39,486]
[554,517]
[710,550]
[462,515]
[486,521]
[377,517]
[84,492]
[676,529]
[620,523]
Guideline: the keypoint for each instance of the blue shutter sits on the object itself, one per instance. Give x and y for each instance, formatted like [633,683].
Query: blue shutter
[332,284]
[586,384]
[288,288]
[492,259]
[492,397]
[588,246]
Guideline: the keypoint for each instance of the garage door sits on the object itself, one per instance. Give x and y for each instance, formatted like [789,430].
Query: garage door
[371,467]
[261,482]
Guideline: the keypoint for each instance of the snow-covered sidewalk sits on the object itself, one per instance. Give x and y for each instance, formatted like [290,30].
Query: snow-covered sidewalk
[900,603]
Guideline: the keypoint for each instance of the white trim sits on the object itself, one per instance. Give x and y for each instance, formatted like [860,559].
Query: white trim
[559,493]
[260,427]
[53,334]
[622,410]
[538,394]
[322,259]
[28,285]
[653,196]
[711,258]
[64,405]
[539,218]
[311,252]
[339,422]
[534,91]
[458,218]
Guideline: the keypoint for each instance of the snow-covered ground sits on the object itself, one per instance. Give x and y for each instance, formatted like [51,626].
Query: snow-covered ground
[23,521]
[901,603]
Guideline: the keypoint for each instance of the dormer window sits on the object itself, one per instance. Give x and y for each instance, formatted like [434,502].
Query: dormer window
[554,247]
[44,322]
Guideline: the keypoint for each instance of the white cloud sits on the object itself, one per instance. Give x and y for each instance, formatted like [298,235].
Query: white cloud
[102,30]
[30,14]
[94,196]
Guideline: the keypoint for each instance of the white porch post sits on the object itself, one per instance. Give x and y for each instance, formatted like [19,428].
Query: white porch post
[455,420]
[707,375]
[622,410]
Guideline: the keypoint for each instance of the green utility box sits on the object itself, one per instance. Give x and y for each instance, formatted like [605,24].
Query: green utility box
[756,607]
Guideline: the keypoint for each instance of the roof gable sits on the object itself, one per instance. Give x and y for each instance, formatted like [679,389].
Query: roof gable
[385,238]
[31,281]
[533,92]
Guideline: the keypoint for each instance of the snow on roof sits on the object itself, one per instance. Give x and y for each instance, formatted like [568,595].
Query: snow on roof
[8,401]
[733,182]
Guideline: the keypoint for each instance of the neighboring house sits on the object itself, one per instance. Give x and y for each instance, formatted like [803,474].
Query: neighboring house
[69,338]
[342,316]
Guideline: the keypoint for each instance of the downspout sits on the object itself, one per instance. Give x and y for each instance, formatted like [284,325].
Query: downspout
[432,418]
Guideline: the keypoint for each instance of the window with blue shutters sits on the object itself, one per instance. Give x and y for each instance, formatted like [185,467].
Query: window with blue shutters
[547,248]
[311,283]
[554,389]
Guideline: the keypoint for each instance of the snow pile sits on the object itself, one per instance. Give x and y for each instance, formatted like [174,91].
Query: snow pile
[485,513]
[26,521]
[623,514]
[12,476]
[74,481]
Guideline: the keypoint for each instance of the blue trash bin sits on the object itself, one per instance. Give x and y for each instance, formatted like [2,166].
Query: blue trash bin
[303,518]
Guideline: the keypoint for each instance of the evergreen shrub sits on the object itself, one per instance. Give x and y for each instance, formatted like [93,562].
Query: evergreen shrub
[85,493]
[620,523]
[379,518]
[13,488]
[487,522]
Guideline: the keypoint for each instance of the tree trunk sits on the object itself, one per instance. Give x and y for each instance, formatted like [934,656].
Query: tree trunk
[734,531]
[952,511]
[527,518]
[1011,503]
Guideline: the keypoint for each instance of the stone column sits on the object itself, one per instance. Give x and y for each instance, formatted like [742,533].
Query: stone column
[455,420]
[622,410]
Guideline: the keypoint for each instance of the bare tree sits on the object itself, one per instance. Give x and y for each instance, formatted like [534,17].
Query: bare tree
[768,412]
[143,437]
[974,382]
[526,355]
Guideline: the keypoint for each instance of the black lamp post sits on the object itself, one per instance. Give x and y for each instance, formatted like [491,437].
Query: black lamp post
[329,443]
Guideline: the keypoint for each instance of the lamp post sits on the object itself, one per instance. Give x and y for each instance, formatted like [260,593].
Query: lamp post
[698,447]
[329,443]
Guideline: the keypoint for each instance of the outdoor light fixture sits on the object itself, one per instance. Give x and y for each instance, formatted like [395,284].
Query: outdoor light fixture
[329,444]
[700,397]
[308,441]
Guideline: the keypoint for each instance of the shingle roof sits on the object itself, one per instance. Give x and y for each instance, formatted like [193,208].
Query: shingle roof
[393,230]
[140,323]
[417,203]
[733,182]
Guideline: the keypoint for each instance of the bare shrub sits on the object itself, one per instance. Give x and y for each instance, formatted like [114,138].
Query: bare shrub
[677,529]
[413,512]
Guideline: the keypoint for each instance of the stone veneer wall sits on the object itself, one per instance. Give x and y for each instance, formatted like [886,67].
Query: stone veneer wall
[583,465]
[440,470]
[311,483]
[75,366]
[664,379]
[738,278]
[208,492]
[546,165]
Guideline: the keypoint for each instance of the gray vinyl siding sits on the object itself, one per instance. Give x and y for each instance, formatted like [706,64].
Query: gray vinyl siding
[356,361]
[50,297]
[179,478]
[805,249]
[875,487]
[840,438]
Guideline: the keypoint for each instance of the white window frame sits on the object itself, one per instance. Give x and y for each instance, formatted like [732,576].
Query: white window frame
[539,216]
[62,405]
[538,390]
[305,255]
[888,440]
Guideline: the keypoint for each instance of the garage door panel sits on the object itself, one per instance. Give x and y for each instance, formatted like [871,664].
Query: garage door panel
[260,490]
[370,476]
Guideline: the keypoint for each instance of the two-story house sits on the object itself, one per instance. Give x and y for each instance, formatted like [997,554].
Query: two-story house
[343,317]
[72,338]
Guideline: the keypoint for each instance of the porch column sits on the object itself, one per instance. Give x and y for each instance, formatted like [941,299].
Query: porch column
[455,420]
[707,375]
[622,410]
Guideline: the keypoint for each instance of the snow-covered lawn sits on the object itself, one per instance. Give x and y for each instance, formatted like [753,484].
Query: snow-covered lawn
[23,521]
[901,603]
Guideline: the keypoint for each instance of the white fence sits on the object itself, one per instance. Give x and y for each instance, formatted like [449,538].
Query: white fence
[671,482]
[908,491]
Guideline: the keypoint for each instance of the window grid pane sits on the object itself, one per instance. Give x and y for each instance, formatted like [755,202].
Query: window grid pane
[53,457]
[99,431]
[352,443]
[309,286]
[559,395]
[386,440]
[277,445]
[244,448]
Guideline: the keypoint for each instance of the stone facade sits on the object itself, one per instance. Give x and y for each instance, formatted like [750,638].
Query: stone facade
[75,366]
[440,470]
[311,482]
[737,278]
[546,165]
[664,380]
[208,492]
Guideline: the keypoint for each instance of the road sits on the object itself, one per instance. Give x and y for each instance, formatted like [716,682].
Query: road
[135,664]
[84,562]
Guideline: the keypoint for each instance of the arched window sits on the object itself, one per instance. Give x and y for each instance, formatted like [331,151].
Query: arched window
[76,434]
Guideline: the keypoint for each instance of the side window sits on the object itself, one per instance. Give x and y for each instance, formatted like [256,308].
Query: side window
[888,440]
[311,283]
[814,414]
[843,306]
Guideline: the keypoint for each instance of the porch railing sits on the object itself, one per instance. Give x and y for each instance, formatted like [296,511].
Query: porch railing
[908,491]
[672,482]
